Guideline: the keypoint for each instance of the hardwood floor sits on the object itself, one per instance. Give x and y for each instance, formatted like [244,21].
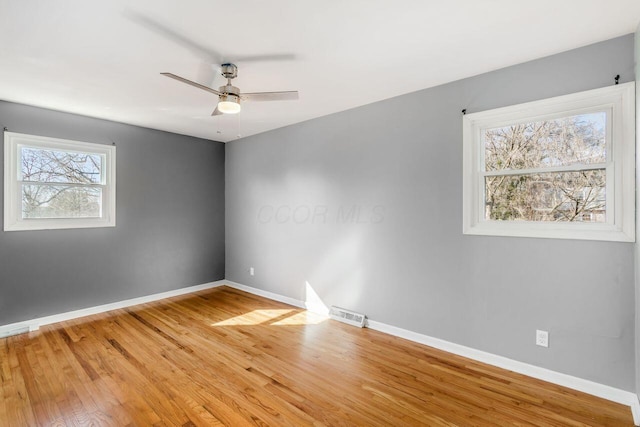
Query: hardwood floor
[225,357]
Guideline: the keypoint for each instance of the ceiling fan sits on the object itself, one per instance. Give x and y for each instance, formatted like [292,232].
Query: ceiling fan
[229,96]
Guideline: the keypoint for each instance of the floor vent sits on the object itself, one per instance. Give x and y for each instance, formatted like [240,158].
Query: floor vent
[347,316]
[16,331]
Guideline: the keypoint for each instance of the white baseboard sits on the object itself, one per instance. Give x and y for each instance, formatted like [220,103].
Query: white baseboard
[575,383]
[635,410]
[266,294]
[600,390]
[34,324]
[313,307]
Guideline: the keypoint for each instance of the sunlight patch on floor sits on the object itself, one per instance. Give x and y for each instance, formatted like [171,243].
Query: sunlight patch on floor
[302,318]
[277,317]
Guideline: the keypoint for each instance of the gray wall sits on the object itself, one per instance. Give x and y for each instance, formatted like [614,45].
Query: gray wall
[170,222]
[401,257]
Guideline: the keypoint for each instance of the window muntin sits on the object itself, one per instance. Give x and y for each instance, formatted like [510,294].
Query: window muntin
[53,183]
[560,168]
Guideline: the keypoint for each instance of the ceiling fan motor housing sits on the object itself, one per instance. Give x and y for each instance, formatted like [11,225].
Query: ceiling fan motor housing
[229,71]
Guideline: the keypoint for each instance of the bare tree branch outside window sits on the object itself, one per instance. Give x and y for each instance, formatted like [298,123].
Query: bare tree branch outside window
[517,186]
[58,184]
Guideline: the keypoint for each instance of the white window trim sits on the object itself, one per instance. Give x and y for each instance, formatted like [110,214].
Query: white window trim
[13,220]
[620,190]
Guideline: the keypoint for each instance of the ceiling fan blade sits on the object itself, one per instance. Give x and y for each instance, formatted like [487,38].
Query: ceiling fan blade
[266,57]
[204,52]
[191,83]
[291,95]
[217,112]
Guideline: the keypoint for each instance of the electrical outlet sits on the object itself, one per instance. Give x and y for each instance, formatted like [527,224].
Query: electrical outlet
[542,338]
[251,271]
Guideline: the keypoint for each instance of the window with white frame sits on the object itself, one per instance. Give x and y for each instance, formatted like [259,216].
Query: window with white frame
[53,183]
[557,168]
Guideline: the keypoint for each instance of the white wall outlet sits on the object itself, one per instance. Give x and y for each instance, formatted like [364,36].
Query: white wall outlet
[251,271]
[542,338]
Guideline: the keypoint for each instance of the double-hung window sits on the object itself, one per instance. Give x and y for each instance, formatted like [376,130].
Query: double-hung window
[557,168]
[53,183]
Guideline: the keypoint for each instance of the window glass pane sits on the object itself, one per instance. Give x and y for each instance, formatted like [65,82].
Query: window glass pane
[40,165]
[562,196]
[557,142]
[61,201]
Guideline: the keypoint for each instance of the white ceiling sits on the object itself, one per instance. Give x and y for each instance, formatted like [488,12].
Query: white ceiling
[103,58]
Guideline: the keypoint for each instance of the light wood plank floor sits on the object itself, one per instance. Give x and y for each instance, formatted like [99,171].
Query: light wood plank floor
[224,357]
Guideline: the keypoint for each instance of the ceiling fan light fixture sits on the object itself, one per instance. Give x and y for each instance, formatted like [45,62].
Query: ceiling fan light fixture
[229,104]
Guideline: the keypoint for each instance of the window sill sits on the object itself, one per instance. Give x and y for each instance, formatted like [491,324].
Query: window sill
[574,231]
